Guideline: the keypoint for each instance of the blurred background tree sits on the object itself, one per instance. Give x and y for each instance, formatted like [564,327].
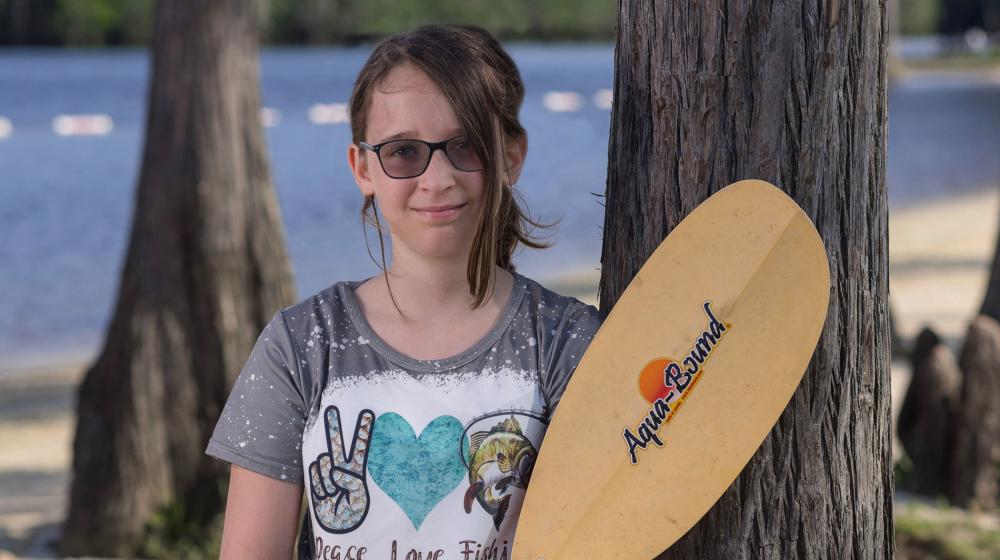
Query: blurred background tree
[206,268]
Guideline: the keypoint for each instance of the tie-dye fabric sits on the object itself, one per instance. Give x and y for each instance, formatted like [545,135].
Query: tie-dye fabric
[403,458]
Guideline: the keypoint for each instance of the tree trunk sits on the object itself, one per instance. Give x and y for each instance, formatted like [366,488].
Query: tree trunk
[975,467]
[991,301]
[708,93]
[927,417]
[206,268]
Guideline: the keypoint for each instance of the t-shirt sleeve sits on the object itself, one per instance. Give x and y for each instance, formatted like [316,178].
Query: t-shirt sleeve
[261,426]
[570,340]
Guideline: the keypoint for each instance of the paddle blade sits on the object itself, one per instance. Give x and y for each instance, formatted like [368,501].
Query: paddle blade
[687,375]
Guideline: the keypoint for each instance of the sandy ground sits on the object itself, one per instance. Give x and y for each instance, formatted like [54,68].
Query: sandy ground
[940,254]
[36,439]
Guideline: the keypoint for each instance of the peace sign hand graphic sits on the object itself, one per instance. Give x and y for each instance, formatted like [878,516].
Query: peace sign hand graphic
[339,489]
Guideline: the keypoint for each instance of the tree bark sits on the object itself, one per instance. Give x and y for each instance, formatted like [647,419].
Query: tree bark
[206,268]
[708,93]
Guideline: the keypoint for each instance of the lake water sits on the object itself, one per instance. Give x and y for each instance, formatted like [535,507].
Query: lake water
[65,202]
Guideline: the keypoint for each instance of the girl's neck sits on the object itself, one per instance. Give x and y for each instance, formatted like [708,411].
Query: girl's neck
[437,282]
[425,285]
[438,320]
[425,291]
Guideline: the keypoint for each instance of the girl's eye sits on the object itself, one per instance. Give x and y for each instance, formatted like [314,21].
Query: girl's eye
[403,150]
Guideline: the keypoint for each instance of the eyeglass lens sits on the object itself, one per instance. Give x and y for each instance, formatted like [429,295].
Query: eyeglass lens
[408,158]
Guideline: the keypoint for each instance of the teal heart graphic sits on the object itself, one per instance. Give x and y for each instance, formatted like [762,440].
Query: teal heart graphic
[416,473]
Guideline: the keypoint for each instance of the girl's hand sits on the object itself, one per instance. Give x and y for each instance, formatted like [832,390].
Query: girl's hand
[339,488]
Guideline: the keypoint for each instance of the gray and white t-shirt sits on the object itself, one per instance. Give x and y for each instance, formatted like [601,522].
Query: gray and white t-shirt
[397,454]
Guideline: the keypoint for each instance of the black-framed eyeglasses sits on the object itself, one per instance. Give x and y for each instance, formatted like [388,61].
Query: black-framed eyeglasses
[408,158]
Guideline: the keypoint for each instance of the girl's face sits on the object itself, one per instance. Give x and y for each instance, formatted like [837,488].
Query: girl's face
[434,214]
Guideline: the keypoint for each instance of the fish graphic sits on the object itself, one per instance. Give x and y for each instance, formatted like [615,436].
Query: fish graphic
[499,461]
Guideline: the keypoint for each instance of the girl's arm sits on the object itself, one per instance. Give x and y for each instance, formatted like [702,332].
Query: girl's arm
[261,517]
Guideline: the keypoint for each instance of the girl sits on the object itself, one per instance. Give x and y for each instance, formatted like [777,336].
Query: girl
[410,407]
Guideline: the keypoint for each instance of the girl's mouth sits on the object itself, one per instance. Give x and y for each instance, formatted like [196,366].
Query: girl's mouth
[440,212]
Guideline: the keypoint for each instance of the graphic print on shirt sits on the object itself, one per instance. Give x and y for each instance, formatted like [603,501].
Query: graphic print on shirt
[337,479]
[413,439]
[498,461]
[416,472]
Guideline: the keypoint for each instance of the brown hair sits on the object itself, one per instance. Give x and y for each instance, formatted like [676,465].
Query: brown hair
[484,87]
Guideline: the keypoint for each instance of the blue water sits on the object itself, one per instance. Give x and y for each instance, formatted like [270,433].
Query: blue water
[66,202]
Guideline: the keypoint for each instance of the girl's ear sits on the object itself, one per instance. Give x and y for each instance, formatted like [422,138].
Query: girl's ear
[515,150]
[358,160]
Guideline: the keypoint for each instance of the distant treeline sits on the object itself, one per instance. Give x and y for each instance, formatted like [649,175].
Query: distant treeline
[129,22]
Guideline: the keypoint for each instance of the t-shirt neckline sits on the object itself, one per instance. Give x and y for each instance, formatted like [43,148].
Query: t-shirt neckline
[347,288]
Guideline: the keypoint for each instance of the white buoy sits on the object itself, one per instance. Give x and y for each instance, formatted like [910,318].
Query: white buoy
[977,40]
[330,113]
[6,128]
[82,125]
[562,101]
[269,117]
[603,98]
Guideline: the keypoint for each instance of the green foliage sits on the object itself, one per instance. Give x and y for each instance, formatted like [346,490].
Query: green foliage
[919,17]
[188,528]
[902,470]
[135,24]
[513,19]
[103,22]
[85,23]
[278,21]
[129,22]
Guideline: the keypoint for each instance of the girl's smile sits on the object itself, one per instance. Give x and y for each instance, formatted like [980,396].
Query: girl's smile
[440,213]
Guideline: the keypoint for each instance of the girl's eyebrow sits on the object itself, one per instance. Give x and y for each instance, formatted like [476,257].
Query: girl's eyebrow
[409,134]
[397,136]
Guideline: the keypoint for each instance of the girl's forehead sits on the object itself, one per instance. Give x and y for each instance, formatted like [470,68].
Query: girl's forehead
[408,100]
[407,77]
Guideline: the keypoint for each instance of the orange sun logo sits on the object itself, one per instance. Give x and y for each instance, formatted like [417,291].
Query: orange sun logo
[651,380]
[651,384]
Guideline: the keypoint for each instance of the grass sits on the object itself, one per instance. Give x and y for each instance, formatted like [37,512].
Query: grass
[935,530]
[958,62]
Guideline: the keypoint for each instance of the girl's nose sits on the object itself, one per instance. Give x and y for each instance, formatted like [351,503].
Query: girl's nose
[440,174]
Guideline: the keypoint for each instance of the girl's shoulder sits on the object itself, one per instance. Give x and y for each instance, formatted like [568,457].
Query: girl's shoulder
[560,322]
[323,309]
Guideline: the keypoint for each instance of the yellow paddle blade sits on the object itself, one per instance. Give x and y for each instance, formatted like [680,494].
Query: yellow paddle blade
[685,378]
